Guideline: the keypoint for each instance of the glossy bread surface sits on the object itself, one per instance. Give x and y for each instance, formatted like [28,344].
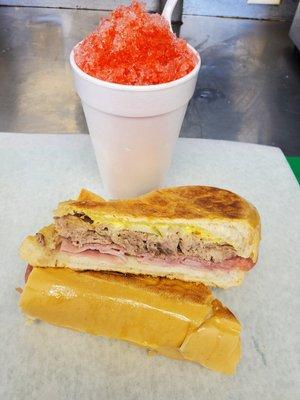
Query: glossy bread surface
[174,318]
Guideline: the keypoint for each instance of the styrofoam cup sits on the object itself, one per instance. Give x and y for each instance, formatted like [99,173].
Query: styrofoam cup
[133,128]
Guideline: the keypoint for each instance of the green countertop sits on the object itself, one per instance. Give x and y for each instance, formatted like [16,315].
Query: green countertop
[295,165]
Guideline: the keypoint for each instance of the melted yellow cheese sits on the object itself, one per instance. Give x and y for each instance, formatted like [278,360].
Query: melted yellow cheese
[159,228]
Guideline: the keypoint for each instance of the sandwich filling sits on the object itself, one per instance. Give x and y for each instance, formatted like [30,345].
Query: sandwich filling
[79,235]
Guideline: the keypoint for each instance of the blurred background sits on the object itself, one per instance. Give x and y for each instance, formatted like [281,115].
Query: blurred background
[248,88]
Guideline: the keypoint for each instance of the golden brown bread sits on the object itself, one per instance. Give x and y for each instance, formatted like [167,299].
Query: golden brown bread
[218,213]
[174,318]
[174,203]
[87,195]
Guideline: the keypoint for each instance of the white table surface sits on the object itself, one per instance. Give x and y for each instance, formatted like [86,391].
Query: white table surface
[45,362]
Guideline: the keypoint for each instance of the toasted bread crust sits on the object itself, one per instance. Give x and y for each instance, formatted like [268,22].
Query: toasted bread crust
[86,195]
[183,202]
[172,288]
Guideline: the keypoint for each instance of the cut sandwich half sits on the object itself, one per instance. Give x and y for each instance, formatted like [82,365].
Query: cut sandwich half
[177,319]
[192,233]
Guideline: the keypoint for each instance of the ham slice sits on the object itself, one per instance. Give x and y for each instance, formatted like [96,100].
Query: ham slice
[111,254]
[105,258]
[115,254]
[244,264]
[113,250]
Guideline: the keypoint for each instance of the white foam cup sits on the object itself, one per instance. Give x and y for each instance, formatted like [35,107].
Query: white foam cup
[133,128]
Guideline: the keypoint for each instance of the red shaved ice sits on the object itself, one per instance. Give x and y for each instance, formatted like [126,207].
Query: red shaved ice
[133,47]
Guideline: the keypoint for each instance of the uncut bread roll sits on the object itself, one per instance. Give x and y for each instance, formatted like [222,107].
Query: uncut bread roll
[192,233]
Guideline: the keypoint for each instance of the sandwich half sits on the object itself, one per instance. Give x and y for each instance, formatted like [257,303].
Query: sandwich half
[177,319]
[192,233]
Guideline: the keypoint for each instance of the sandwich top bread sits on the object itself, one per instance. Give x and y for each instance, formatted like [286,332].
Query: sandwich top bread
[192,233]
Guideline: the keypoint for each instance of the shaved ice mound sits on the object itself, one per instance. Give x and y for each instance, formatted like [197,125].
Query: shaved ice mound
[133,47]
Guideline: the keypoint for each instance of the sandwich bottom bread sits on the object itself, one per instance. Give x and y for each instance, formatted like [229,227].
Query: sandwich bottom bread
[178,319]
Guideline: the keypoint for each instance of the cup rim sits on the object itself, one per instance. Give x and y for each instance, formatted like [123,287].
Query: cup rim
[135,88]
